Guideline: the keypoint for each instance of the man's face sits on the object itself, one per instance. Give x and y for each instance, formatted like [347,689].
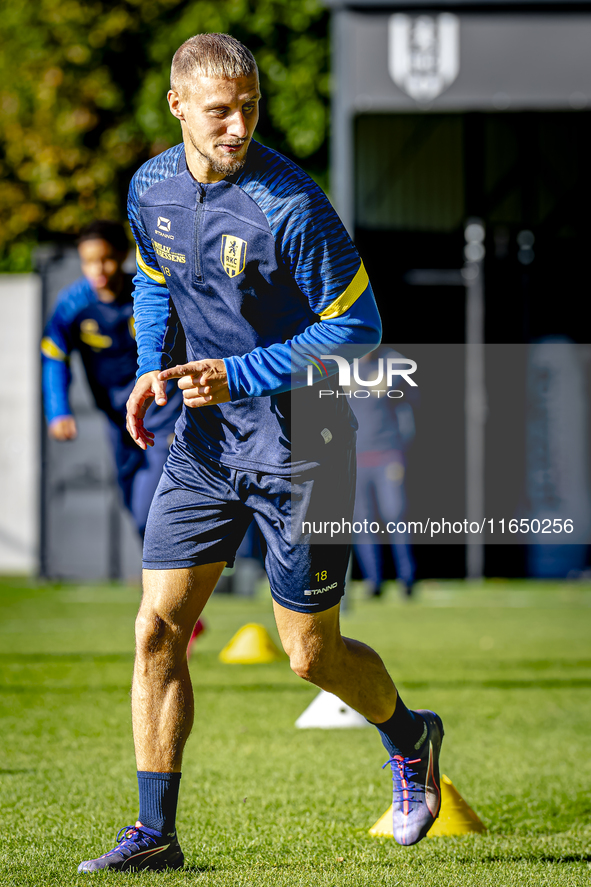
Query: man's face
[101,263]
[218,118]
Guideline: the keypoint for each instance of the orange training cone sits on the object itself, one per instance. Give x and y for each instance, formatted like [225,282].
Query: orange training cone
[251,644]
[455,817]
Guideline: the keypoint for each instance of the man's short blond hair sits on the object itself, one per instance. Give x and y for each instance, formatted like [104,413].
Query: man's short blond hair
[210,55]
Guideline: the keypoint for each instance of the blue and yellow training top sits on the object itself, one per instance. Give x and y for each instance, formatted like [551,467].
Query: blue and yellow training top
[262,274]
[103,333]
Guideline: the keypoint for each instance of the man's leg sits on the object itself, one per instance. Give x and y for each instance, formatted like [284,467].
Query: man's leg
[162,713]
[355,673]
[351,670]
[162,695]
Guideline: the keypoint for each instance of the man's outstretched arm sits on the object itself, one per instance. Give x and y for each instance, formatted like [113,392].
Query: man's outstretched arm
[282,366]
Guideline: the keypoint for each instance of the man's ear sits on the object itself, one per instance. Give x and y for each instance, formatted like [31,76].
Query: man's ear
[175,104]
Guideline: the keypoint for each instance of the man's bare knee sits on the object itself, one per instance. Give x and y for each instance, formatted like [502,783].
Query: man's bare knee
[313,643]
[311,664]
[158,640]
[172,602]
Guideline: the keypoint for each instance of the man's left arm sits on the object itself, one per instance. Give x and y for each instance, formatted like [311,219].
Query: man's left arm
[281,367]
[326,268]
[319,256]
[352,333]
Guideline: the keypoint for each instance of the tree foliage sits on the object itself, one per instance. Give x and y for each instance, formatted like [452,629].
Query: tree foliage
[83,99]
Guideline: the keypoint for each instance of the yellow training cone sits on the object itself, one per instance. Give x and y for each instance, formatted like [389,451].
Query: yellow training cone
[455,816]
[251,644]
[383,827]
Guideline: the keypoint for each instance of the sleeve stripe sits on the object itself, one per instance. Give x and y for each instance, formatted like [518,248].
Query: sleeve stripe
[154,275]
[50,349]
[343,302]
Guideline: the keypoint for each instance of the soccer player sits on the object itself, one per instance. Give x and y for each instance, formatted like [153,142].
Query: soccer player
[95,316]
[262,275]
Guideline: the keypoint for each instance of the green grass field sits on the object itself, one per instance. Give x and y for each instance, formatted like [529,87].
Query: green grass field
[506,664]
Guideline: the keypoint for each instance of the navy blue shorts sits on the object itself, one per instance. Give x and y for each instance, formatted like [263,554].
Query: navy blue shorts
[201,511]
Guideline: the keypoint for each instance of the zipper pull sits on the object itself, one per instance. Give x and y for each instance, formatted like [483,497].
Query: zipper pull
[201,191]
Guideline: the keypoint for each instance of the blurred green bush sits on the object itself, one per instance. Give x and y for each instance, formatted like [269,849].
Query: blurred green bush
[83,100]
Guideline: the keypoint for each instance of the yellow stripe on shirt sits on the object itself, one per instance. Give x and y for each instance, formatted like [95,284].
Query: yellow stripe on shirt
[154,275]
[343,302]
[50,349]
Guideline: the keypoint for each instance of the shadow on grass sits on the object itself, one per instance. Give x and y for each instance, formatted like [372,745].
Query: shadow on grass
[36,689]
[520,684]
[41,690]
[66,657]
[530,857]
[198,869]
[271,867]
[195,869]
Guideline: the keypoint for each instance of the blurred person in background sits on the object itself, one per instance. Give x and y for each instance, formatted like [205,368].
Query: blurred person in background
[94,316]
[386,430]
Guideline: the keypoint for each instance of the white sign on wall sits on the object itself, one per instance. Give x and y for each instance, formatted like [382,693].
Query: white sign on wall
[424,53]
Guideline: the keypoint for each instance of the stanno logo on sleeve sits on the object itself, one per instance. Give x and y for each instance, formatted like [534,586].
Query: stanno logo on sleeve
[233,254]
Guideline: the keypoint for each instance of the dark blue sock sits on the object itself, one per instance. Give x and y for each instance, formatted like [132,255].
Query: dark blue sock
[159,794]
[404,733]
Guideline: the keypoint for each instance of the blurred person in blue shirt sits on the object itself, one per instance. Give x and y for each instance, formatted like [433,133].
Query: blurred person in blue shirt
[94,316]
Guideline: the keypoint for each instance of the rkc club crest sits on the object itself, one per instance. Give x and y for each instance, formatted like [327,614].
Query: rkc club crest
[424,53]
[233,255]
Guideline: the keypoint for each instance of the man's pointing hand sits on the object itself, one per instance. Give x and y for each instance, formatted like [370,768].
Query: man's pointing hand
[203,382]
